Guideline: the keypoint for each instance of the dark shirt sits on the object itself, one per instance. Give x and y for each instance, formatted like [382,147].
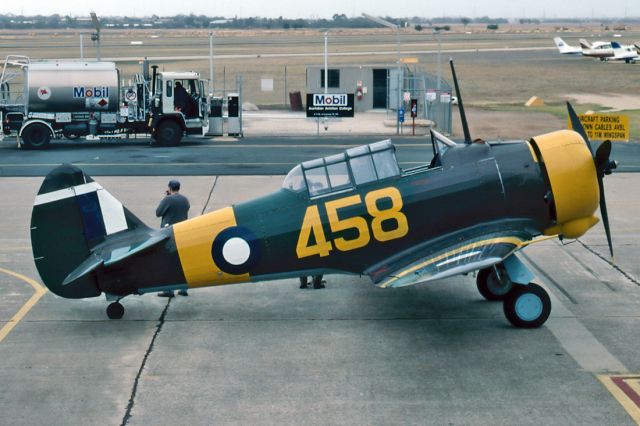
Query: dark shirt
[173,208]
[180,98]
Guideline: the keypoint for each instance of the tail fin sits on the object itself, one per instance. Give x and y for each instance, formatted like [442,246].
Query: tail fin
[585,44]
[71,215]
[559,43]
[615,45]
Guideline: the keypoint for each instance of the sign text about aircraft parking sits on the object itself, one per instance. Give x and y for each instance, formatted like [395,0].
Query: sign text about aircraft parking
[330,105]
[614,127]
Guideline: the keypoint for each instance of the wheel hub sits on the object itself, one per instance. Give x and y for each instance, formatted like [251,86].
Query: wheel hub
[529,307]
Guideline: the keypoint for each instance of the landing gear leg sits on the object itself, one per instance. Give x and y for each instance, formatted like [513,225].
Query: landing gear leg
[494,282]
[115,310]
[527,306]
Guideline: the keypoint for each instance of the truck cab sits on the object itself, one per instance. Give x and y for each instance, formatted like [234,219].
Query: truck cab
[179,105]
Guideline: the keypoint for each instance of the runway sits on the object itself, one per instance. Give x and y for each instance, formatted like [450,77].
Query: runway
[268,155]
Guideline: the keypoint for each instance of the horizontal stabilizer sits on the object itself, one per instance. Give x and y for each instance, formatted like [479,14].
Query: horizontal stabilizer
[90,263]
[111,254]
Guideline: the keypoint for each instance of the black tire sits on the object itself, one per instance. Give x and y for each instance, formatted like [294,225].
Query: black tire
[115,310]
[169,133]
[489,285]
[527,306]
[36,136]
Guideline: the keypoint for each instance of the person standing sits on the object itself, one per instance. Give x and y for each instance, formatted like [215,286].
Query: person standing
[173,208]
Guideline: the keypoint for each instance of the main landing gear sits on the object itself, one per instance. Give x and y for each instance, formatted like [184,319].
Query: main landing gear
[524,305]
[115,310]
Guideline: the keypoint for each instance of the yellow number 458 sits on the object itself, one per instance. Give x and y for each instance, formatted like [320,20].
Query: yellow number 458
[312,240]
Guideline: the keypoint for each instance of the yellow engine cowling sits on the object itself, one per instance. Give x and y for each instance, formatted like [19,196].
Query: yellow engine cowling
[574,183]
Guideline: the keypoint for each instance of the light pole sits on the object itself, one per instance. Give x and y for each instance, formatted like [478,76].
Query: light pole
[436,34]
[397,28]
[211,86]
[96,36]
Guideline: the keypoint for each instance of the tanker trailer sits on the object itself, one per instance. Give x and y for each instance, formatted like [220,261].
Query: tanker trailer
[74,99]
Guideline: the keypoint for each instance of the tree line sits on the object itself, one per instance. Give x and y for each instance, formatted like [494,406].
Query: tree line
[8,21]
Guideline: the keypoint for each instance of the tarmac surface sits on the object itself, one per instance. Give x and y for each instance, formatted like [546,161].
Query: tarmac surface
[265,155]
[270,353]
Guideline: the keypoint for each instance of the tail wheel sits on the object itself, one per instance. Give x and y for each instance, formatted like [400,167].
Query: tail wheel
[527,306]
[36,136]
[115,310]
[169,133]
[493,283]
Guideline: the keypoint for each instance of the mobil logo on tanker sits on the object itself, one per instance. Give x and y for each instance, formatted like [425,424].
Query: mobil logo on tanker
[90,92]
[330,100]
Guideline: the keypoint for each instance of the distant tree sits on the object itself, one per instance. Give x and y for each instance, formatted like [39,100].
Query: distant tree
[286,25]
[418,27]
[465,21]
[492,26]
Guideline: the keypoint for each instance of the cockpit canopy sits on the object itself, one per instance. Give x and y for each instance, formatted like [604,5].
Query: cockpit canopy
[340,172]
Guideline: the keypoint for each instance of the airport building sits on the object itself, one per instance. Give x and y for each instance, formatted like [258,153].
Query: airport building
[386,87]
[371,84]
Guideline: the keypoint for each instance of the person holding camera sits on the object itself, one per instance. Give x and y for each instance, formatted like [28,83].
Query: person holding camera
[173,208]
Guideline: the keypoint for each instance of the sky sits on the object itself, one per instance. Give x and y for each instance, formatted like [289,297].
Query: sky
[326,8]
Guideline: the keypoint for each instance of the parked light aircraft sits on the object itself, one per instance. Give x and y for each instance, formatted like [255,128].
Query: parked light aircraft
[566,49]
[597,49]
[473,207]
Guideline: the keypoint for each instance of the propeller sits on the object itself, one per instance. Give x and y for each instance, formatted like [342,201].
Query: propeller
[603,164]
[463,116]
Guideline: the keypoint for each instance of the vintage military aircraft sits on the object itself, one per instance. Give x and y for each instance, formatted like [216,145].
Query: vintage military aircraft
[471,208]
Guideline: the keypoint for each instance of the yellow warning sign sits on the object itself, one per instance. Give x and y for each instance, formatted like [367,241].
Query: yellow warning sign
[601,127]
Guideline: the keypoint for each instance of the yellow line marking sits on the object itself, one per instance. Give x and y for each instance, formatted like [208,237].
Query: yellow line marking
[629,406]
[634,384]
[39,292]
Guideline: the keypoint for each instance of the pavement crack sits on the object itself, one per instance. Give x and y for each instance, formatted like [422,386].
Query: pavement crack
[215,181]
[613,265]
[134,390]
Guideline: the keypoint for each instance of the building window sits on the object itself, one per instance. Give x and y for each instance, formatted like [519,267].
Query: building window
[334,78]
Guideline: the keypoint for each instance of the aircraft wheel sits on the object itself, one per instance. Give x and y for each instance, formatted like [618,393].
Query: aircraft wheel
[527,306]
[493,286]
[115,310]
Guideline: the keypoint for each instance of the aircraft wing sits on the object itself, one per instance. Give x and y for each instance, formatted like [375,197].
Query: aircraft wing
[433,263]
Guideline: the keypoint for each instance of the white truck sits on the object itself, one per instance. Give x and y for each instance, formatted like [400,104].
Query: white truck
[45,100]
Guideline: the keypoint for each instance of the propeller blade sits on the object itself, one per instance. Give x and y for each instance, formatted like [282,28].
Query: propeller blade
[577,126]
[602,157]
[463,116]
[605,215]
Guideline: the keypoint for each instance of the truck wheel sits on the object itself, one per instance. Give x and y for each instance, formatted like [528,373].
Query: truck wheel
[169,133]
[36,136]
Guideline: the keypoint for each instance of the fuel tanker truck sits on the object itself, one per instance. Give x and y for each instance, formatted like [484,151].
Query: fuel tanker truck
[45,100]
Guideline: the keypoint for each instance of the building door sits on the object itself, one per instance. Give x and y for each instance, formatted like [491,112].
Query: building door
[380,88]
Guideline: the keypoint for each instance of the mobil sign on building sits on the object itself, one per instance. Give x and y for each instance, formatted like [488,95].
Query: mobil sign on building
[330,105]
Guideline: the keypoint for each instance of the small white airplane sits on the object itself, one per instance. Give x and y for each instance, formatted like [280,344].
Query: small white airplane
[566,49]
[599,49]
[627,53]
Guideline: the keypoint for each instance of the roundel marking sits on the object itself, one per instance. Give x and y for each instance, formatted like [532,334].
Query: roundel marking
[235,250]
